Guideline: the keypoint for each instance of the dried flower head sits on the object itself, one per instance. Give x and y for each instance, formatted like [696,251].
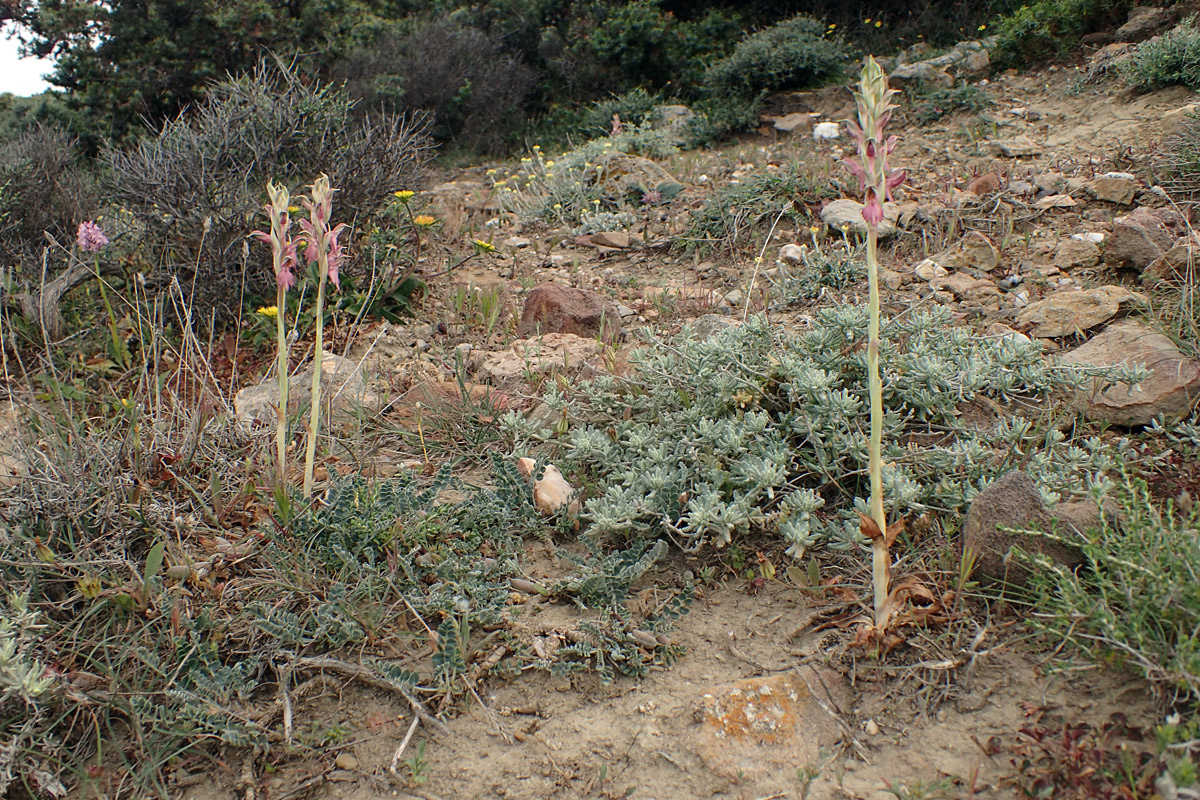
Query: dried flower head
[90,237]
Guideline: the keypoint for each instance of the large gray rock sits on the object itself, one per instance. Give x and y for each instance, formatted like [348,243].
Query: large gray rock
[921,73]
[1143,22]
[846,214]
[1011,513]
[1073,311]
[674,121]
[344,393]
[1169,392]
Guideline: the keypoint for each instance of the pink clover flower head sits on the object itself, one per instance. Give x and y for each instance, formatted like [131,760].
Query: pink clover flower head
[90,237]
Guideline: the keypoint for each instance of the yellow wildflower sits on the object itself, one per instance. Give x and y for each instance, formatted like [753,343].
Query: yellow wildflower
[403,195]
[423,221]
[269,311]
[483,247]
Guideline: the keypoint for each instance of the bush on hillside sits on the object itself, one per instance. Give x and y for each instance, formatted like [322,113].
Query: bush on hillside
[196,189]
[461,76]
[45,187]
[1047,28]
[794,54]
[1167,60]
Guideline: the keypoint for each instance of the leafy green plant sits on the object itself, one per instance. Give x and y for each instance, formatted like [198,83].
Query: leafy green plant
[1173,58]
[796,53]
[589,179]
[1135,602]
[1047,28]
[819,270]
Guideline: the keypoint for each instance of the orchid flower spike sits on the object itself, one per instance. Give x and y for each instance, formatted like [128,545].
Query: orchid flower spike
[875,178]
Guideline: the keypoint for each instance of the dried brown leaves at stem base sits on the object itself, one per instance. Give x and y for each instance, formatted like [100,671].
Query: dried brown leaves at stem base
[911,601]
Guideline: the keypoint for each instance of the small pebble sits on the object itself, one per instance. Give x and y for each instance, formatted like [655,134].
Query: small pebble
[1011,282]
[346,761]
[871,728]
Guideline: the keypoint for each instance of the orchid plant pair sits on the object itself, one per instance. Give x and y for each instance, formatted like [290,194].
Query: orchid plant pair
[876,179]
[322,247]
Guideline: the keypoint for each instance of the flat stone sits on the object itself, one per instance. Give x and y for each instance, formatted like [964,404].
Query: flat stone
[1169,392]
[1017,147]
[758,728]
[929,270]
[618,240]
[921,72]
[1072,253]
[847,214]
[1114,187]
[518,242]
[553,352]
[982,185]
[344,392]
[1073,311]
[960,284]
[974,251]
[793,123]
[1054,201]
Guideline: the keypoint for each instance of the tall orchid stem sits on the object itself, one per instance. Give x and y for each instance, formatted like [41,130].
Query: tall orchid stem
[314,416]
[281,431]
[879,548]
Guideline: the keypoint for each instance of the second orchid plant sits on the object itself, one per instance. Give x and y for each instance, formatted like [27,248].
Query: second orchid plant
[321,247]
[877,179]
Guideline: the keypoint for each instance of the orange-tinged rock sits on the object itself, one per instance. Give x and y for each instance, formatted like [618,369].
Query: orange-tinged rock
[758,726]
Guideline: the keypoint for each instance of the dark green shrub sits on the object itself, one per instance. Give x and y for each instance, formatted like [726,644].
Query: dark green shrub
[196,189]
[1167,60]
[793,54]
[633,107]
[719,117]
[19,115]
[1048,28]
[460,75]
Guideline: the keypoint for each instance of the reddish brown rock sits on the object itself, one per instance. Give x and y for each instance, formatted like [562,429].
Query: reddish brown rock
[1170,391]
[554,308]
[984,184]
[1138,238]
[1011,513]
